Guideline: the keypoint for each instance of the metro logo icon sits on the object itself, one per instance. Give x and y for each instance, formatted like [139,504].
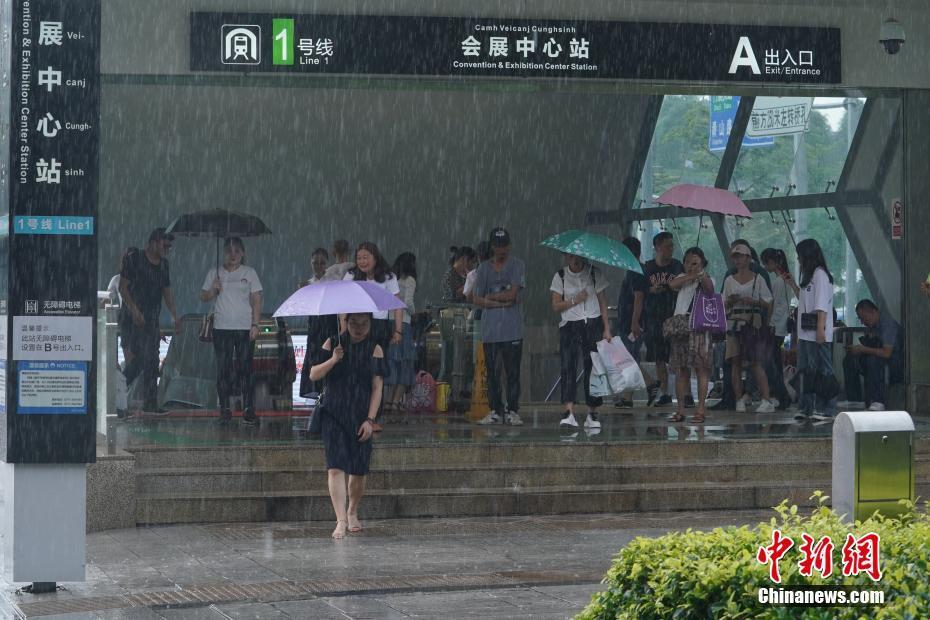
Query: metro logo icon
[241,44]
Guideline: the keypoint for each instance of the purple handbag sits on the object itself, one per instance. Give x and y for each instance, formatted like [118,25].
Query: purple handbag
[708,315]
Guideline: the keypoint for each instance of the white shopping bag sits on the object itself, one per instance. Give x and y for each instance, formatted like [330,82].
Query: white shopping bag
[623,372]
[598,386]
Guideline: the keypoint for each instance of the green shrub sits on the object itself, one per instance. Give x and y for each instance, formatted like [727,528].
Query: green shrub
[715,574]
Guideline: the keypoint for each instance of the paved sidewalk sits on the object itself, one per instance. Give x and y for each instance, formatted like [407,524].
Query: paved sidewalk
[514,567]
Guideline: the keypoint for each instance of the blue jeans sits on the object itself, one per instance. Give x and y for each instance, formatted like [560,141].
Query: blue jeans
[819,358]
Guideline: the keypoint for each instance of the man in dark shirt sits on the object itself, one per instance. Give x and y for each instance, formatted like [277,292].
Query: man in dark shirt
[881,348]
[630,307]
[660,305]
[144,283]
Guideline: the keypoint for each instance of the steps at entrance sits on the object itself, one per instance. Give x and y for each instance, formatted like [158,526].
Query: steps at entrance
[288,482]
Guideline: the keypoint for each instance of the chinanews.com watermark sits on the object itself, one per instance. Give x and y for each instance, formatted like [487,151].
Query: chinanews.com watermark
[859,555]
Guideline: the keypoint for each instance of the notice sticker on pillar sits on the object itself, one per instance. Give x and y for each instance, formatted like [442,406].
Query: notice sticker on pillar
[897,219]
[46,388]
[52,338]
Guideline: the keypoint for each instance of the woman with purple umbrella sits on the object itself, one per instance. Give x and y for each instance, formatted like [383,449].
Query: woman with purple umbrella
[354,368]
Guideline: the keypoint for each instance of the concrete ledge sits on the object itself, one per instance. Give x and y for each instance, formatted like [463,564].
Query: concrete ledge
[111,492]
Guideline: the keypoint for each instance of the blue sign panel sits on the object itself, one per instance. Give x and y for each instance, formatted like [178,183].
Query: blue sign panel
[52,225]
[722,113]
[52,388]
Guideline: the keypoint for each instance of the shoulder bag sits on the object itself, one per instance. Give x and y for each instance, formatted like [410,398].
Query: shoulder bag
[679,326]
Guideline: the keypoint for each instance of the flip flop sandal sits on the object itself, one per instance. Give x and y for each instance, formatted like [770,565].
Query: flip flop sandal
[676,417]
[697,418]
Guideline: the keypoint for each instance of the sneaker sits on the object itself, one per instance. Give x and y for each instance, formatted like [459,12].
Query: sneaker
[741,406]
[877,407]
[723,405]
[800,415]
[513,418]
[624,404]
[653,391]
[225,417]
[249,419]
[822,417]
[663,401]
[568,420]
[689,402]
[766,406]
[491,418]
[591,421]
[592,431]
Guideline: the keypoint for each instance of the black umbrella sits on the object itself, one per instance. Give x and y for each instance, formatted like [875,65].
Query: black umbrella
[218,223]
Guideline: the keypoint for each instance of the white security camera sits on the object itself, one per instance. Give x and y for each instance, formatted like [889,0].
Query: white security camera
[892,36]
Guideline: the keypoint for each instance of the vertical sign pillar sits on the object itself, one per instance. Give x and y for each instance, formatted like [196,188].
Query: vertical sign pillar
[48,413]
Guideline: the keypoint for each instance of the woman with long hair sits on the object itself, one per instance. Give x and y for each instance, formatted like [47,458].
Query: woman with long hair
[371,266]
[783,291]
[694,351]
[403,356]
[748,300]
[815,328]
[461,261]
[354,368]
[237,309]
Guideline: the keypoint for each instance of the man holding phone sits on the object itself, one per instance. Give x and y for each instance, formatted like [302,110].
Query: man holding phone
[881,348]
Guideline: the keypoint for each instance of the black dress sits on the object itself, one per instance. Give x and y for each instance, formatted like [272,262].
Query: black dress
[345,405]
[319,328]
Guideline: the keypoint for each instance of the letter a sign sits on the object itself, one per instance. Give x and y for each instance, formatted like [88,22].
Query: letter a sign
[744,57]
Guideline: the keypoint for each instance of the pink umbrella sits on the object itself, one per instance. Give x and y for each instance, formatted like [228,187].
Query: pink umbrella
[707,199]
[704,199]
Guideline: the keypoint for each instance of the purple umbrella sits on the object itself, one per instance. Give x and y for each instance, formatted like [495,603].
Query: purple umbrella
[338,297]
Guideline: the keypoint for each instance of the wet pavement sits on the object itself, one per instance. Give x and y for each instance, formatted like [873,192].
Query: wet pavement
[541,424]
[516,567]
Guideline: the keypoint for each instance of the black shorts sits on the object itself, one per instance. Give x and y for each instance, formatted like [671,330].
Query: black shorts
[658,348]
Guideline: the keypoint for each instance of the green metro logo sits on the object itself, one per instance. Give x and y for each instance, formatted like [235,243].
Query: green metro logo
[282,31]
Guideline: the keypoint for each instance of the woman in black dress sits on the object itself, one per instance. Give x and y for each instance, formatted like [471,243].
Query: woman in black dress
[354,372]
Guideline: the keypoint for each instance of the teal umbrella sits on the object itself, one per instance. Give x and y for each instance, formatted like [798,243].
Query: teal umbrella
[594,247]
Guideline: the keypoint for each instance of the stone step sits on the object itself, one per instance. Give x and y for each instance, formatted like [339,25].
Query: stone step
[220,507]
[386,455]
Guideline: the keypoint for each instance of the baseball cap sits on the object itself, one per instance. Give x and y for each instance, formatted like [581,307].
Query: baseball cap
[160,233]
[741,248]
[499,237]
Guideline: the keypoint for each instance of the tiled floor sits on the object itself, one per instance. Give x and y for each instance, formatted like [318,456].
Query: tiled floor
[539,567]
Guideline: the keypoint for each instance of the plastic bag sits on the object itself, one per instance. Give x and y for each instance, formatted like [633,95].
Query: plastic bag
[598,386]
[623,373]
[422,397]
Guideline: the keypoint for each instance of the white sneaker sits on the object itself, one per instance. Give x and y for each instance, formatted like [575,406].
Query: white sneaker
[568,420]
[591,421]
[766,406]
[822,417]
[513,419]
[741,406]
[491,418]
[877,407]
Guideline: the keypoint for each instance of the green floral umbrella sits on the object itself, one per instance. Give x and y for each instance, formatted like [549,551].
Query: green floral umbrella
[594,247]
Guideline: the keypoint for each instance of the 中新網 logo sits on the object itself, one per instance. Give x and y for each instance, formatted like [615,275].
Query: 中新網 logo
[242,44]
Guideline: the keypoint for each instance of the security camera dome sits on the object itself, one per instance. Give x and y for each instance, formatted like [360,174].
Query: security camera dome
[892,36]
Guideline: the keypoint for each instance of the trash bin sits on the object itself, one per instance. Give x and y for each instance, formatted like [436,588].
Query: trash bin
[873,463]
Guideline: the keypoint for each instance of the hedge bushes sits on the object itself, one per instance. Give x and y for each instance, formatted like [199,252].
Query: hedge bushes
[716,574]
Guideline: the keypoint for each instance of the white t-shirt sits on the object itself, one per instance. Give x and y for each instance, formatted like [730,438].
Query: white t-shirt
[470,282]
[337,271]
[756,288]
[686,295]
[573,285]
[817,295]
[408,287]
[782,294]
[113,291]
[232,308]
[389,284]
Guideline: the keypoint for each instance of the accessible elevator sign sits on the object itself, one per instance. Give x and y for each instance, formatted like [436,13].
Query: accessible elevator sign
[54,95]
[454,46]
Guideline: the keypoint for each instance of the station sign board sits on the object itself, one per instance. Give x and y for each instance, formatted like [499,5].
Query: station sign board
[50,301]
[500,47]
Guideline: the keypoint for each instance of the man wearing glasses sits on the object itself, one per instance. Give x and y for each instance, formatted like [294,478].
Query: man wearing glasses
[144,283]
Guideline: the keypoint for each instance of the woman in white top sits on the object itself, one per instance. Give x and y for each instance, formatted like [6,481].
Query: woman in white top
[815,326]
[748,301]
[578,297]
[403,356]
[237,309]
[783,291]
[695,351]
